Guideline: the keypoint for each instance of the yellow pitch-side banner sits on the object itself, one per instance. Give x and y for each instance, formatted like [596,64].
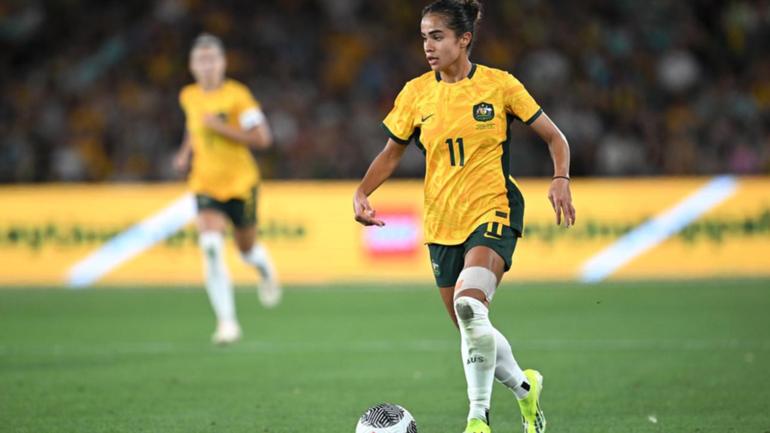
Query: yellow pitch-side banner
[627,229]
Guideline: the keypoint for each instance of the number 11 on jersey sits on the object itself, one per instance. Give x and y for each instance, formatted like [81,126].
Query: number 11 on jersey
[460,148]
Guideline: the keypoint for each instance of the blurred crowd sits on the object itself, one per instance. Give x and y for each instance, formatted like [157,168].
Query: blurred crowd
[664,87]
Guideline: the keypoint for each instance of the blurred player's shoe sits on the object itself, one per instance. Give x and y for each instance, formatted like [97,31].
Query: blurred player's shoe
[227,332]
[269,292]
[531,415]
[476,425]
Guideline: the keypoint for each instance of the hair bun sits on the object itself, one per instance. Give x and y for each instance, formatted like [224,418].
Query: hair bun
[473,8]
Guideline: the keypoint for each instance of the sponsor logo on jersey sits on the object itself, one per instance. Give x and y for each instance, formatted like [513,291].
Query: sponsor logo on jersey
[483,112]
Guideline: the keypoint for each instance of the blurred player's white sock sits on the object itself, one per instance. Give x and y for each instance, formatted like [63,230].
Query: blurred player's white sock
[259,258]
[507,370]
[479,352]
[218,283]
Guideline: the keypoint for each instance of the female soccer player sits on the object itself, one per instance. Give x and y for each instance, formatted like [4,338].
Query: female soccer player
[459,115]
[223,122]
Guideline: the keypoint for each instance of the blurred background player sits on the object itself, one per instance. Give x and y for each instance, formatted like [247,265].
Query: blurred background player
[223,123]
[460,113]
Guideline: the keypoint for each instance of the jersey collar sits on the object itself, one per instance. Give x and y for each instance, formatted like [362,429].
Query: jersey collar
[470,73]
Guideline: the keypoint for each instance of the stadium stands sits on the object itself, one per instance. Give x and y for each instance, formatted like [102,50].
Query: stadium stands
[89,89]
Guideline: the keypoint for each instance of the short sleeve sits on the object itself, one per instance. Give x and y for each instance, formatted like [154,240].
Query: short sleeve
[249,111]
[399,123]
[519,102]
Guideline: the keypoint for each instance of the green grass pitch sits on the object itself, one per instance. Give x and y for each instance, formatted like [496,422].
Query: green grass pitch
[631,357]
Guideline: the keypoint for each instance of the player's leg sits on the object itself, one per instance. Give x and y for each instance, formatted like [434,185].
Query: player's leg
[448,263]
[507,370]
[211,228]
[474,289]
[253,253]
[492,248]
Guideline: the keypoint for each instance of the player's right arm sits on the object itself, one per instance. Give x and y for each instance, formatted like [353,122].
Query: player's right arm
[379,171]
[182,157]
[399,125]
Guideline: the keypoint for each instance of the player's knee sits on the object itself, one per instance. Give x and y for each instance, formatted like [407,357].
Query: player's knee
[207,239]
[211,242]
[476,278]
[464,308]
[473,318]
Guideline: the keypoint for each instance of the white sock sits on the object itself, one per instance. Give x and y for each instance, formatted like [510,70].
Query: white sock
[218,285]
[507,370]
[479,352]
[259,258]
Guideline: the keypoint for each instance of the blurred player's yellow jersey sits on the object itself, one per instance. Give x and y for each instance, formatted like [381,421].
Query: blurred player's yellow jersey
[221,168]
[463,128]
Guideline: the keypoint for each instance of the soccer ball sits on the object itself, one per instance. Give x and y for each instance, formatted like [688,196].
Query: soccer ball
[386,418]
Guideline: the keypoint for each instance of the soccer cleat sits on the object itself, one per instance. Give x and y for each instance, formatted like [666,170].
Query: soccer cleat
[227,333]
[476,425]
[269,292]
[531,415]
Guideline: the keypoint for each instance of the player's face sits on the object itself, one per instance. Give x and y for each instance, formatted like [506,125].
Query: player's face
[441,45]
[207,65]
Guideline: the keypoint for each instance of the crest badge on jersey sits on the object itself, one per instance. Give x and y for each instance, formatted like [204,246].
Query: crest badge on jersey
[483,112]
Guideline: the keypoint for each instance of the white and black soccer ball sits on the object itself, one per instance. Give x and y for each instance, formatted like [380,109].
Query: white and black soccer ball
[386,418]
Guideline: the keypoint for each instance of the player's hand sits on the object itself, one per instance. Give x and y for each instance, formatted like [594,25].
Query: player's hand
[364,212]
[213,122]
[561,200]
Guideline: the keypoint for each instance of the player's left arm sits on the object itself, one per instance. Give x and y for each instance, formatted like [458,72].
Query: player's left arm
[253,131]
[559,193]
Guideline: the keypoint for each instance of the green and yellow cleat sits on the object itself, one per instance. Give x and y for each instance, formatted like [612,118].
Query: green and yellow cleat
[531,415]
[476,425]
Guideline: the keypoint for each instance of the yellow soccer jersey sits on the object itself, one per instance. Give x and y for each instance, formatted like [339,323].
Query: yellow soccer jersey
[462,128]
[221,168]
